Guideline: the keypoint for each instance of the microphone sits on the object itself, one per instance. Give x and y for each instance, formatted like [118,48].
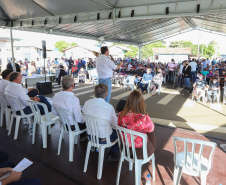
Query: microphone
[112,58]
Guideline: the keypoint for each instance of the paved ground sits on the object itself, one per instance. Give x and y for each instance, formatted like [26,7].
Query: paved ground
[172,107]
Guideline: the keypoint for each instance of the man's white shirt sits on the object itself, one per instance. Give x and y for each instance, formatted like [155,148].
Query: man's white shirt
[3,85]
[98,107]
[193,66]
[105,67]
[17,91]
[67,100]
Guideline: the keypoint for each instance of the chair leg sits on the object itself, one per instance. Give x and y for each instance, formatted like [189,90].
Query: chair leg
[2,113]
[60,139]
[138,169]
[130,166]
[71,146]
[177,175]
[203,177]
[7,116]
[76,139]
[100,162]
[87,156]
[34,131]
[49,130]
[16,128]
[153,167]
[119,169]
[44,135]
[10,125]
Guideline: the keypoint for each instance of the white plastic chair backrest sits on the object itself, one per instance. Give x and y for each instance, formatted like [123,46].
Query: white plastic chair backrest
[194,142]
[36,110]
[64,115]
[92,128]
[131,135]
[1,101]
[14,100]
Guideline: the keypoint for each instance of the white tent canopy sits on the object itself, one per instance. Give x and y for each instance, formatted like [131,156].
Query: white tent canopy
[124,21]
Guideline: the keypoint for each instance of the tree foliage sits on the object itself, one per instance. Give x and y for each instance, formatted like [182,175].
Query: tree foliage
[61,45]
[73,44]
[205,51]
[133,52]
[147,51]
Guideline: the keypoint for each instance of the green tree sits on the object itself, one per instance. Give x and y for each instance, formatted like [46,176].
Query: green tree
[61,45]
[147,50]
[209,51]
[73,44]
[181,44]
[133,52]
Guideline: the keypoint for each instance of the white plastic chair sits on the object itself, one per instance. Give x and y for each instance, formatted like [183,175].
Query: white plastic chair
[130,82]
[14,115]
[218,95]
[203,96]
[44,121]
[95,79]
[91,124]
[65,128]
[192,163]
[7,111]
[132,159]
[81,76]
[149,86]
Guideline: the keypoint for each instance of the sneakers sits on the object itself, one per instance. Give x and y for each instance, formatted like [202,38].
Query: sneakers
[31,130]
[93,149]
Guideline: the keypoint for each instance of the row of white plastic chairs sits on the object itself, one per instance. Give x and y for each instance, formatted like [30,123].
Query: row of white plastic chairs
[185,161]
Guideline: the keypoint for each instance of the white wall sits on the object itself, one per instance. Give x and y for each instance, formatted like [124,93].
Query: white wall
[116,52]
[79,52]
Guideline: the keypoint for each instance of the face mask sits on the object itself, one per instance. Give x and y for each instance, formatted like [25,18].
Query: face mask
[198,76]
[214,81]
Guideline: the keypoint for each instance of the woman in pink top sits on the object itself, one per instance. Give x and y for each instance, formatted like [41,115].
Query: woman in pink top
[133,117]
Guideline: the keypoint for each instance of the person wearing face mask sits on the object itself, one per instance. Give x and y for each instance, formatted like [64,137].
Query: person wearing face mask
[199,87]
[157,81]
[146,79]
[187,75]
[212,89]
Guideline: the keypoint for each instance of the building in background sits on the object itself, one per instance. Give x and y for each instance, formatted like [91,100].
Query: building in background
[118,51]
[166,54]
[80,51]
[5,51]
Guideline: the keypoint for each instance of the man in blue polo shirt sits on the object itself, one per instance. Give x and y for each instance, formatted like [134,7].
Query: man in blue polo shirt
[146,79]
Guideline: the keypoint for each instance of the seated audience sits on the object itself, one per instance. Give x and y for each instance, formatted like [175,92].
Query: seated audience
[16,90]
[66,99]
[213,87]
[147,78]
[134,117]
[3,84]
[157,81]
[199,87]
[98,107]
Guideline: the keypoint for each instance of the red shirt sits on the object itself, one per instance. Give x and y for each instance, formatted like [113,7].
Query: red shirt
[137,122]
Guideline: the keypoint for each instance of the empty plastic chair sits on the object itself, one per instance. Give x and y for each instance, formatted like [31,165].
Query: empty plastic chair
[12,100]
[191,162]
[95,79]
[44,121]
[132,158]
[7,111]
[91,124]
[65,128]
[129,82]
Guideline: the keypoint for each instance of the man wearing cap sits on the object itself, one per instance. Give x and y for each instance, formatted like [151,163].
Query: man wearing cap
[105,67]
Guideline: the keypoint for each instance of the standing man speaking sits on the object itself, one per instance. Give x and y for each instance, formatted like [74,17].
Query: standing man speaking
[105,67]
